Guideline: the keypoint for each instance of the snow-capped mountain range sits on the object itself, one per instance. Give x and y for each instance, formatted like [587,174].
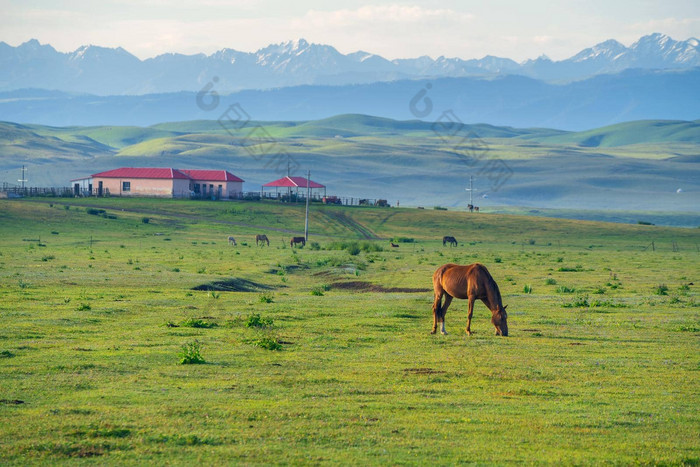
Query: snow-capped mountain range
[107,71]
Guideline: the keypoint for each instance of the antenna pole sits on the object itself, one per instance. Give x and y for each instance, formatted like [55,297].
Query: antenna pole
[471,190]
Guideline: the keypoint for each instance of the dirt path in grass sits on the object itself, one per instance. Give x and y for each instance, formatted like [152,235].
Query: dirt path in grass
[352,225]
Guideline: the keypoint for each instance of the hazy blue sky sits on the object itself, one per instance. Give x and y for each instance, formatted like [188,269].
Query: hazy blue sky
[392,28]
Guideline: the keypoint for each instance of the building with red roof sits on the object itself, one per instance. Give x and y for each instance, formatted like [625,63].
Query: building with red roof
[161,182]
[294,182]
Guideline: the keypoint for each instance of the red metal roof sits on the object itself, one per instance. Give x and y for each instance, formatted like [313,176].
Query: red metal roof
[294,182]
[211,175]
[167,173]
[142,172]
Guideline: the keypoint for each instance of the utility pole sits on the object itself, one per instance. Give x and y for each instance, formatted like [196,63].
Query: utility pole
[306,219]
[23,179]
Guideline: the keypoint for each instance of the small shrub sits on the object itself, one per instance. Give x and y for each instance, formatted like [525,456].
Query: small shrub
[265,298]
[674,300]
[84,307]
[527,288]
[317,292]
[439,208]
[570,269]
[644,223]
[256,321]
[197,323]
[497,259]
[684,288]
[550,281]
[176,269]
[579,302]
[95,212]
[661,289]
[145,220]
[687,328]
[48,258]
[315,246]
[53,232]
[268,343]
[6,354]
[599,291]
[191,354]
[531,242]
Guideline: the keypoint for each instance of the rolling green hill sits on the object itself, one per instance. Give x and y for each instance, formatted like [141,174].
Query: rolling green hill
[642,166]
[622,134]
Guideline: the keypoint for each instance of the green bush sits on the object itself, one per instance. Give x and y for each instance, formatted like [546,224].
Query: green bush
[550,281]
[191,353]
[256,321]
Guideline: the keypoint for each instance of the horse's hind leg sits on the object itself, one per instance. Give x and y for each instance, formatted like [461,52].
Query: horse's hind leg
[436,309]
[443,311]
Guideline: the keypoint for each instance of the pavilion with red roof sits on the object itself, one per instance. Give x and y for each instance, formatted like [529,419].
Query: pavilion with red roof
[289,182]
[162,182]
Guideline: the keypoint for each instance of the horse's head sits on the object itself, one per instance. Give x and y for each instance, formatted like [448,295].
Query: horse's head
[500,321]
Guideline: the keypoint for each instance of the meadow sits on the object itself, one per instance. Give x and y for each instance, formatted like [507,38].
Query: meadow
[133,333]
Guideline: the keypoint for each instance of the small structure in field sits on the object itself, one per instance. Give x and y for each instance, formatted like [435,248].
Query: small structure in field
[293,182]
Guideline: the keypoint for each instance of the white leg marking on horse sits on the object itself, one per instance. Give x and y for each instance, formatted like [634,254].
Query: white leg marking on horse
[442,329]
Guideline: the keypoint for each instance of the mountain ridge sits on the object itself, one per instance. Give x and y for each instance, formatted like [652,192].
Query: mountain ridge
[114,71]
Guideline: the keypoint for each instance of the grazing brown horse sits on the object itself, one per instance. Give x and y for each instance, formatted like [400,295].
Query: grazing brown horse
[262,239]
[448,239]
[467,282]
[296,240]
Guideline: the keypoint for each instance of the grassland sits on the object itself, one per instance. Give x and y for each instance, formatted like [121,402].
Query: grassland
[601,366]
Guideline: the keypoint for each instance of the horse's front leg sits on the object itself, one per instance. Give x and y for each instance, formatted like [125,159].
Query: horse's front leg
[469,314]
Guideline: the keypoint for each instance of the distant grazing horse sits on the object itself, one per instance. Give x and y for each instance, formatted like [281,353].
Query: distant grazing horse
[296,240]
[448,239]
[476,208]
[470,282]
[262,239]
[232,241]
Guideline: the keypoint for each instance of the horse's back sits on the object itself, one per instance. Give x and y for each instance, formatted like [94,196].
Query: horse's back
[460,281]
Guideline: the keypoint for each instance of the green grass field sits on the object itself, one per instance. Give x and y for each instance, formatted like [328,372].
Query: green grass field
[322,355]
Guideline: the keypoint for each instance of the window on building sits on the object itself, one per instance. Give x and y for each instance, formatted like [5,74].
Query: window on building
[126,186]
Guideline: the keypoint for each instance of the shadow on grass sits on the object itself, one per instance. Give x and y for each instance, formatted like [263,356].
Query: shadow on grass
[233,285]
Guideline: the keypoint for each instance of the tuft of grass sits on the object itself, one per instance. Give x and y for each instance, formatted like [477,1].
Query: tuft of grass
[257,321]
[191,353]
[267,342]
[84,307]
[266,298]
[550,281]
[197,323]
[527,288]
[579,302]
[6,354]
[661,289]
[565,289]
